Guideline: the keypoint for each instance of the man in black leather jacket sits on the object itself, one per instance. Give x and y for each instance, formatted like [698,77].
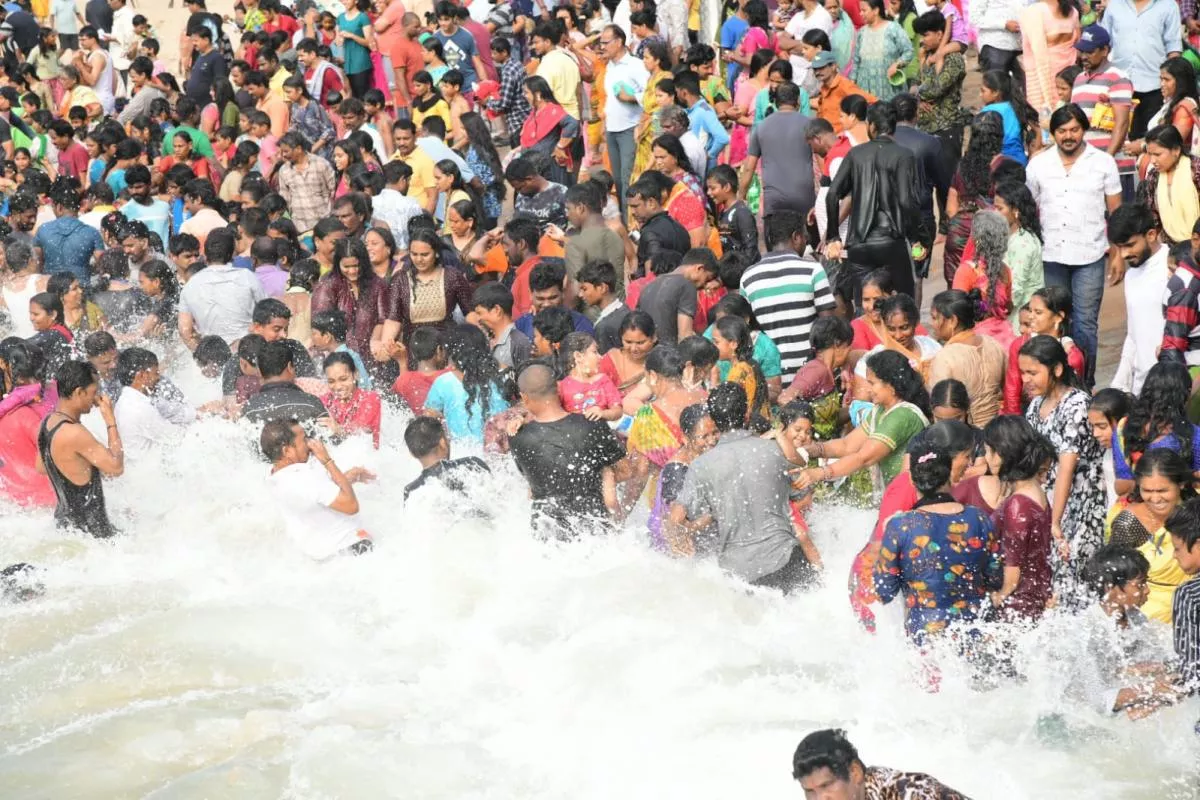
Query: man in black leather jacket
[927,149]
[880,176]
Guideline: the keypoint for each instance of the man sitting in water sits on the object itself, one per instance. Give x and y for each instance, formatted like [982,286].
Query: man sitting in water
[141,423]
[280,398]
[828,767]
[71,456]
[426,440]
[317,499]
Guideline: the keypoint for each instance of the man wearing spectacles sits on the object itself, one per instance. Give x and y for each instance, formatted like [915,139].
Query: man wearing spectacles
[624,84]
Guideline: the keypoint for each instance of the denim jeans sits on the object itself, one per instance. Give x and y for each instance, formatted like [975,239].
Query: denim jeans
[1086,283]
[621,152]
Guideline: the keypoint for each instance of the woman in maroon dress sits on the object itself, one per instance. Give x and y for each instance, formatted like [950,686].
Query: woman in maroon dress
[424,292]
[353,288]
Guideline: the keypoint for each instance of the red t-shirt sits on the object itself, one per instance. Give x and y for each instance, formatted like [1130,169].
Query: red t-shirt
[284,23]
[634,289]
[73,162]
[413,386]
[410,55]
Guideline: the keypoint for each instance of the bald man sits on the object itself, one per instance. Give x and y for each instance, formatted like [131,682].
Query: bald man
[572,464]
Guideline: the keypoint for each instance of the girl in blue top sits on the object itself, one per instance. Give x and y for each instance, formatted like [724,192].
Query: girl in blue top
[357,37]
[474,389]
[1006,97]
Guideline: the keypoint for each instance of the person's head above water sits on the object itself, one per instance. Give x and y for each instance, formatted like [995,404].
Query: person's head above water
[426,440]
[275,362]
[78,387]
[539,387]
[283,442]
[827,766]
[728,406]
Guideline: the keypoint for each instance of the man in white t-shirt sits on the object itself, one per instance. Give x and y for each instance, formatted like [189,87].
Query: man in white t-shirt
[318,502]
[141,422]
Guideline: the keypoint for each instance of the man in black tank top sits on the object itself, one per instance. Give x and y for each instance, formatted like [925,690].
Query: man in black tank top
[71,456]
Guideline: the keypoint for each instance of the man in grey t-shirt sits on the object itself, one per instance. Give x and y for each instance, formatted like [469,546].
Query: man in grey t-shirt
[742,485]
[779,141]
[671,299]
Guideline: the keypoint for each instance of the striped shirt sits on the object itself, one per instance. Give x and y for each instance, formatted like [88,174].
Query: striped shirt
[1185,611]
[787,292]
[1107,85]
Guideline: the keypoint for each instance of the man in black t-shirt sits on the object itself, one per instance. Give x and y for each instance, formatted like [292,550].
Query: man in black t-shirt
[565,458]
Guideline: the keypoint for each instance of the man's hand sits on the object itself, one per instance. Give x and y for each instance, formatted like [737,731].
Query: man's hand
[359,475]
[317,448]
[1116,270]
[1012,26]
[833,250]
[556,233]
[105,405]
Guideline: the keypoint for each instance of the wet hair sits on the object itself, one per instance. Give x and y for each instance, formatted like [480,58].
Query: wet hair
[340,357]
[331,322]
[249,348]
[133,360]
[270,308]
[1161,405]
[599,273]
[304,274]
[732,267]
[98,343]
[468,348]
[1114,404]
[572,345]
[1115,565]
[212,350]
[274,358]
[882,280]
[1167,463]
[1022,450]
[25,361]
[930,470]
[74,376]
[825,749]
[829,332]
[638,320]
[1184,523]
[423,435]
[797,409]
[666,361]
[782,226]
[525,229]
[881,118]
[735,329]
[950,393]
[664,262]
[900,304]
[277,435]
[727,405]
[549,274]
[555,325]
[893,369]
[987,139]
[699,352]
[691,417]
[424,343]
[736,305]
[1049,352]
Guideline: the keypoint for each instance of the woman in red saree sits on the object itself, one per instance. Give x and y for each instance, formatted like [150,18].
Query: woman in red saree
[355,410]
[550,130]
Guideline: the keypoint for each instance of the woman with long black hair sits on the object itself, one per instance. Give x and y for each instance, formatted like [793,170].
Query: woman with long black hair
[1075,480]
[971,187]
[1157,420]
[474,388]
[484,161]
[354,289]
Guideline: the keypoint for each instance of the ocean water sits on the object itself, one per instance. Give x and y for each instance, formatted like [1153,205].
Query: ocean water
[198,656]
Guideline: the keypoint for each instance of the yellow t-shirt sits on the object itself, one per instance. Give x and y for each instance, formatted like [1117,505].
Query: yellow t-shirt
[563,76]
[438,109]
[422,178]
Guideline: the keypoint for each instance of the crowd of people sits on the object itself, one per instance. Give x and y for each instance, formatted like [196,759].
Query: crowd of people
[666,258]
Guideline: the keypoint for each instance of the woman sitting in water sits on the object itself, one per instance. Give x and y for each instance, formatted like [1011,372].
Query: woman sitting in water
[1164,483]
[699,436]
[657,431]
[901,495]
[355,410]
[943,556]
[900,411]
[1019,456]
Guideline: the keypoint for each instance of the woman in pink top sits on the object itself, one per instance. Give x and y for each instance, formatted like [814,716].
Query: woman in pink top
[1049,29]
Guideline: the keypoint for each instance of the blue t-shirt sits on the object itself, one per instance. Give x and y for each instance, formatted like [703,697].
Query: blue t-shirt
[116,180]
[448,397]
[1123,470]
[156,216]
[96,170]
[731,36]
[460,53]
[524,324]
[1014,143]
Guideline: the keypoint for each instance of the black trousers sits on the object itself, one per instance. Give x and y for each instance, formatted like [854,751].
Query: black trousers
[1148,104]
[890,254]
[1009,61]
[360,83]
[795,574]
[952,144]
